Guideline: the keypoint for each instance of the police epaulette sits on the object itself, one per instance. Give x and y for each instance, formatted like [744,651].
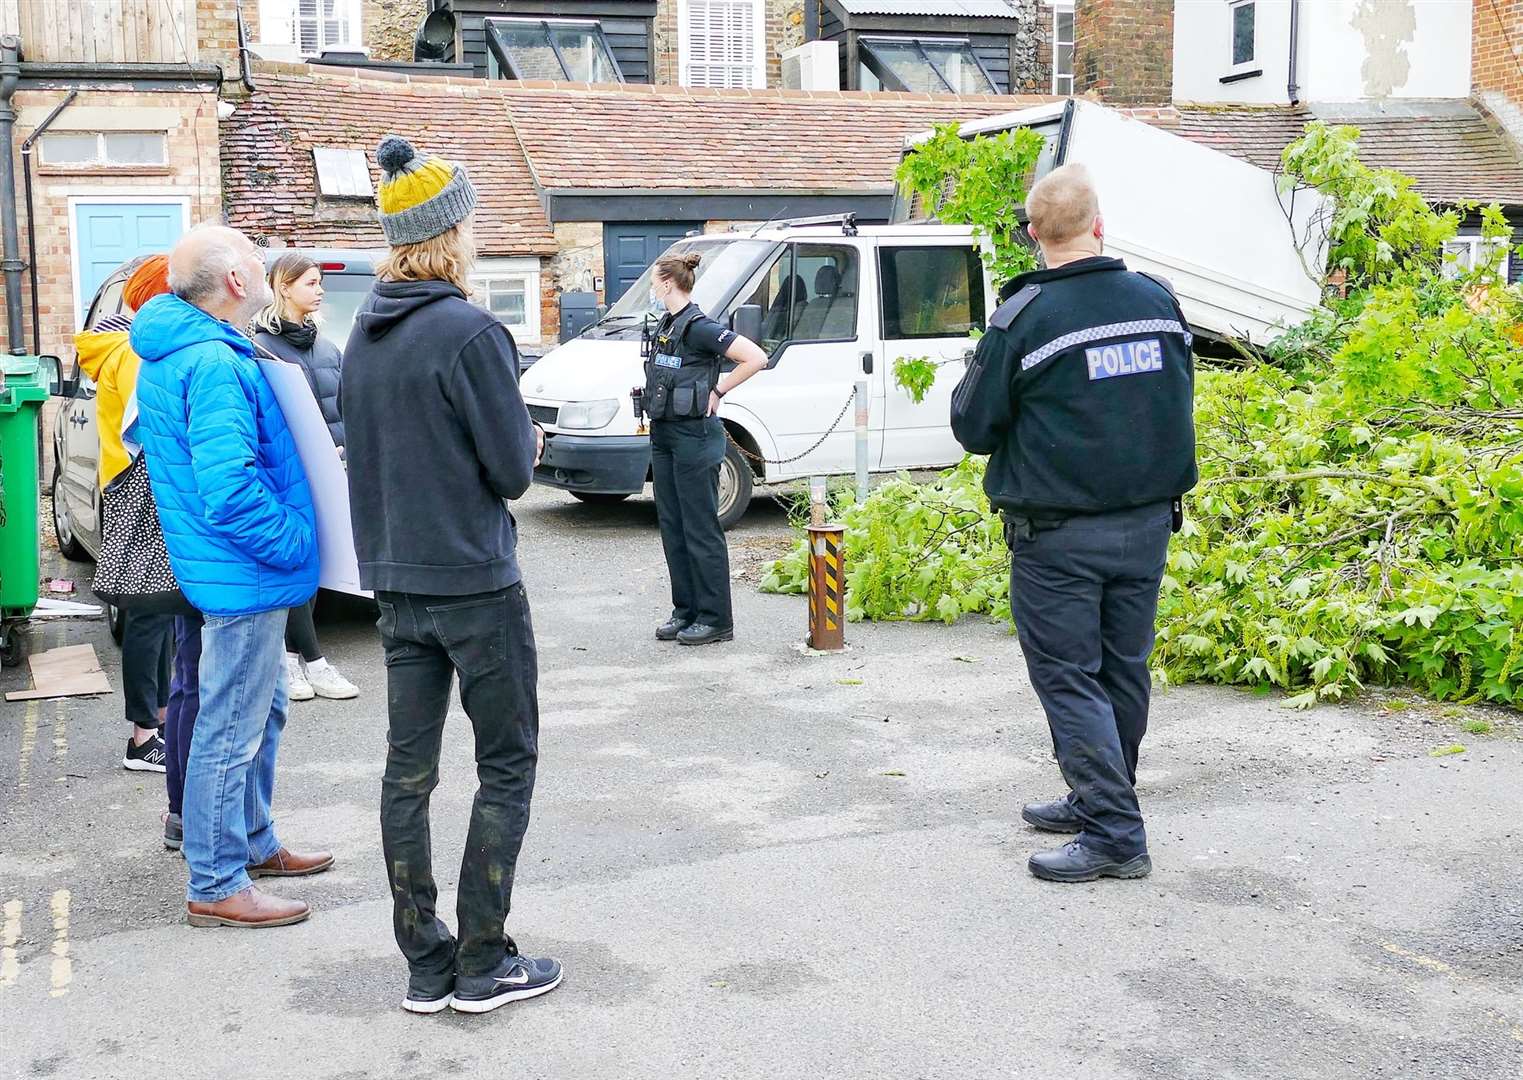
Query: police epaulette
[1005,314]
[1159,279]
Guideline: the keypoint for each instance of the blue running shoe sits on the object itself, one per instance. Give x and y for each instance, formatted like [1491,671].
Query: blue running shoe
[516,978]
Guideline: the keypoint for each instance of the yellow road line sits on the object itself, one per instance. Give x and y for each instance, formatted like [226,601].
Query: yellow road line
[63,967]
[60,732]
[28,742]
[10,966]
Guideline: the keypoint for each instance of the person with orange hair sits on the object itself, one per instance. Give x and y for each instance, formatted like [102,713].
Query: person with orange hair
[147,639]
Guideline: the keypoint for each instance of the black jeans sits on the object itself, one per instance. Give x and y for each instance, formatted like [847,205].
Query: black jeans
[184,707]
[1084,597]
[147,651]
[685,457]
[301,632]
[489,639]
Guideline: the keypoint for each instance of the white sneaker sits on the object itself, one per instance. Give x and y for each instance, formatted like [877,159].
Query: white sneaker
[326,682]
[297,686]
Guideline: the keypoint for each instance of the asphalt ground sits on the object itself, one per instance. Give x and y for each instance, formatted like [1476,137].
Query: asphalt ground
[759,863]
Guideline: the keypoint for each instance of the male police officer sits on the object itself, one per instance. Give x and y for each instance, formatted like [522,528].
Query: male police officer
[1082,393]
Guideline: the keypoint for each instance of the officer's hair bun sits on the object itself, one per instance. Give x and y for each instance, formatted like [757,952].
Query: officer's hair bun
[691,260]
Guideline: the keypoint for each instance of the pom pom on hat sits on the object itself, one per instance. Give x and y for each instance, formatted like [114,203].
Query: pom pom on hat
[394,153]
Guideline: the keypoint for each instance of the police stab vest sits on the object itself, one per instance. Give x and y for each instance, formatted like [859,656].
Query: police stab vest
[678,376]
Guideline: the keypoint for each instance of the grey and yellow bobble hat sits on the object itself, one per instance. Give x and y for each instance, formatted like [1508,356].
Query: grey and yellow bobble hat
[420,196]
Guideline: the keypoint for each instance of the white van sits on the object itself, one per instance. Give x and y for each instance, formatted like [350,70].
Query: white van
[838,303]
[841,303]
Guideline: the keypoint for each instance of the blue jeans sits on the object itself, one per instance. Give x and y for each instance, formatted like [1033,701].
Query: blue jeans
[184,705]
[231,773]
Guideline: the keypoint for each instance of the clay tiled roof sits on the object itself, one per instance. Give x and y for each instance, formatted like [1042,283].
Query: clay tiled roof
[270,183]
[1449,148]
[667,138]
[626,138]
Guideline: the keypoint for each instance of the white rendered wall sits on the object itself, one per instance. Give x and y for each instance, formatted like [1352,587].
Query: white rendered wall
[1350,50]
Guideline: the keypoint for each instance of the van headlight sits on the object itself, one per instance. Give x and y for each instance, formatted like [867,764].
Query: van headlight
[587,415]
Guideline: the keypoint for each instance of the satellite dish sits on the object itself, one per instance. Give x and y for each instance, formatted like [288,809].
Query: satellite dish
[436,36]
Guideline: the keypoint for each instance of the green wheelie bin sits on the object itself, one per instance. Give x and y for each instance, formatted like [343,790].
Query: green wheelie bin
[26,387]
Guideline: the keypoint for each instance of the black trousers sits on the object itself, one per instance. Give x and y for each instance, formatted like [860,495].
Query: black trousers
[301,632]
[685,457]
[147,655]
[489,640]
[1084,597]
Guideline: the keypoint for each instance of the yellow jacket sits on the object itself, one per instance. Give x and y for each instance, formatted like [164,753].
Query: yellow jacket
[109,360]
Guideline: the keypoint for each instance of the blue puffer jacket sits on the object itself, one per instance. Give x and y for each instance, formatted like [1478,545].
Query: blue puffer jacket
[232,495]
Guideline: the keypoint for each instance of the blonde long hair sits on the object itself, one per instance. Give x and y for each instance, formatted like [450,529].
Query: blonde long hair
[446,257]
[287,270]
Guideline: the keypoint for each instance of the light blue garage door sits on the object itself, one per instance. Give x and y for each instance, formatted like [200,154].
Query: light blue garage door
[108,233]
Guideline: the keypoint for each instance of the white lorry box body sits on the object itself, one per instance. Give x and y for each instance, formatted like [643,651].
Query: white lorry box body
[1245,260]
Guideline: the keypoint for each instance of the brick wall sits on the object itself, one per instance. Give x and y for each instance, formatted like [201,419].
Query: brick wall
[217,31]
[1496,52]
[1124,50]
[388,27]
[193,171]
[783,30]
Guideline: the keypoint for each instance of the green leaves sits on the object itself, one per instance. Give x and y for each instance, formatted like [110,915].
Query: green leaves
[915,376]
[980,182]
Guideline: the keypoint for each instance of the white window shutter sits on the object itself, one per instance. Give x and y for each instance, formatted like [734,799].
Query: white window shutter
[723,46]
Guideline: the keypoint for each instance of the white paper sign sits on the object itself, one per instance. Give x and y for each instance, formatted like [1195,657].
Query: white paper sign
[340,569]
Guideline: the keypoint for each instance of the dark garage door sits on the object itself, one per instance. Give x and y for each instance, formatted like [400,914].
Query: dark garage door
[629,249]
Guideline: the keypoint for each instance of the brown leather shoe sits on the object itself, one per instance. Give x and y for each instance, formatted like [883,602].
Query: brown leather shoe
[250,908]
[292,864]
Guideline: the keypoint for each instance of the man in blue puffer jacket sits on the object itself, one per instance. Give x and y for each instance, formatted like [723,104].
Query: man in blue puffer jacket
[241,533]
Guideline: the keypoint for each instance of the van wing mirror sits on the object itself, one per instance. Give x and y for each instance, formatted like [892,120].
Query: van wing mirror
[746,321]
[51,369]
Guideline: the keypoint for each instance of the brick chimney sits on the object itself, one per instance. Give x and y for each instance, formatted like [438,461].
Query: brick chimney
[1124,50]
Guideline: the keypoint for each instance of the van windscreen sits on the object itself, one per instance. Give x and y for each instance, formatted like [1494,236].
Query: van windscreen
[726,263]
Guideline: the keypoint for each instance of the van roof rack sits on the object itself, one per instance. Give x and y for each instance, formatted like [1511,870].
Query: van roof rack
[847,221]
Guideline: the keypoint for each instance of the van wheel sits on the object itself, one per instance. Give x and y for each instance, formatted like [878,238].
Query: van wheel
[68,544]
[600,498]
[735,483]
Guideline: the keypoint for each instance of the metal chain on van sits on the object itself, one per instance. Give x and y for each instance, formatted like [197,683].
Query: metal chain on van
[818,443]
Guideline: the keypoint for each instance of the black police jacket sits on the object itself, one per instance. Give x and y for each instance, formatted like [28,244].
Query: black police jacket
[683,362]
[1082,393]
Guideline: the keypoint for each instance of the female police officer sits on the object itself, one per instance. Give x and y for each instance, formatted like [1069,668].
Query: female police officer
[683,385]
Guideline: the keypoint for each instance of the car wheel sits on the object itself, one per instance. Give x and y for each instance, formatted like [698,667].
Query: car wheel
[735,484]
[599,498]
[116,619]
[68,544]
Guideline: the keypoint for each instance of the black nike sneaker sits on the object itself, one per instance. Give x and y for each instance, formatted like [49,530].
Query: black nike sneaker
[516,978]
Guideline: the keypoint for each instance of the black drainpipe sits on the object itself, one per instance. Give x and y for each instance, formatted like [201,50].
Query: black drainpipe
[1292,90]
[811,19]
[11,264]
[31,217]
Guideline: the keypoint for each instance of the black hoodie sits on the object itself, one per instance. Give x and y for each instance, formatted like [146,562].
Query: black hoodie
[438,437]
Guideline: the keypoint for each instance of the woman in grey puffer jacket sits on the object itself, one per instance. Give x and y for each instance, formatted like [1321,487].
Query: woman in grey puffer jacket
[288,328]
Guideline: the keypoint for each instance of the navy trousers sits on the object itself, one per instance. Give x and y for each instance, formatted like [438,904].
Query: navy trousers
[685,457]
[1084,596]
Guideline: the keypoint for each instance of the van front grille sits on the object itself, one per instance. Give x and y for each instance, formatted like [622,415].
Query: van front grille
[543,414]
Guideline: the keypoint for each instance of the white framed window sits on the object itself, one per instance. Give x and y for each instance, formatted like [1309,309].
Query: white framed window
[1242,34]
[1063,47]
[126,149]
[720,43]
[313,26]
[1466,253]
[509,289]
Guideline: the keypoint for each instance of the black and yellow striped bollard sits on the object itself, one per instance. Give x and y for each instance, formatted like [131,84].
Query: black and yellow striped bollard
[827,588]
